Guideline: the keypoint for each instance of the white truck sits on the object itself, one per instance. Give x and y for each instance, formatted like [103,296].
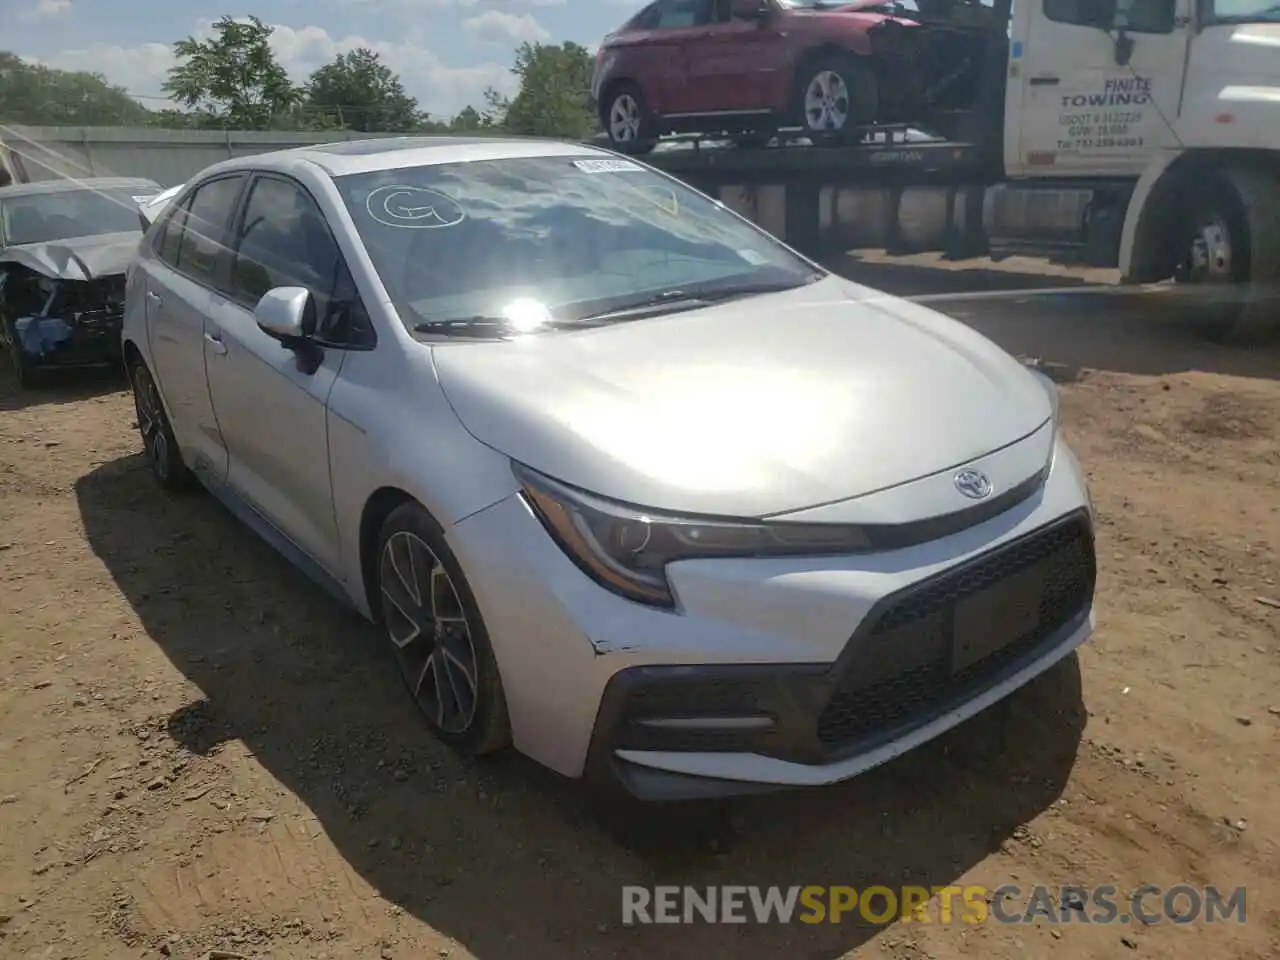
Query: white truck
[1138,134]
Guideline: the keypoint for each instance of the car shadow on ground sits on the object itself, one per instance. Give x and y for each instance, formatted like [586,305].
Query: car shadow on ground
[1072,322]
[500,855]
[62,386]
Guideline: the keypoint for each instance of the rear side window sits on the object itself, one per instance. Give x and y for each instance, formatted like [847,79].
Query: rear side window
[204,230]
[674,14]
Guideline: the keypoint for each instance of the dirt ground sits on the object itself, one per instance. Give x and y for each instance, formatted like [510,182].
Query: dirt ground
[200,752]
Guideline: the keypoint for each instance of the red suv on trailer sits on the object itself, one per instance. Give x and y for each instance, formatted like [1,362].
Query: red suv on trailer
[743,67]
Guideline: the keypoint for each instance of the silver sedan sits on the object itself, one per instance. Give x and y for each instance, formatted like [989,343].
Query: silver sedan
[627,483]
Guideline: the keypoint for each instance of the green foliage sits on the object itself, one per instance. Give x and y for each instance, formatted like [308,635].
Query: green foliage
[233,79]
[39,96]
[358,92]
[554,99]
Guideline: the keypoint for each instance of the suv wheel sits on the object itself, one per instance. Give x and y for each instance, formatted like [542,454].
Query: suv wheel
[834,96]
[626,120]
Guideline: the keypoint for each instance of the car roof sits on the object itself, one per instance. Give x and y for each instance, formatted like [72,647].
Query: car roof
[41,187]
[394,153]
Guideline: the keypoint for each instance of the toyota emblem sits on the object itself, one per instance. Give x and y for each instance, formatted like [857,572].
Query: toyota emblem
[974,484]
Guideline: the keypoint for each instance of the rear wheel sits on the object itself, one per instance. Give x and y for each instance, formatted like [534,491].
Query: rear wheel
[626,120]
[158,442]
[1231,255]
[835,95]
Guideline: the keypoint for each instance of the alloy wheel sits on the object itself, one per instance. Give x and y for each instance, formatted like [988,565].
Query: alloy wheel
[826,102]
[624,119]
[150,414]
[429,631]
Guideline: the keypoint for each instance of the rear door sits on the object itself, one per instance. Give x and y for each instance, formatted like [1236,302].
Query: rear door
[735,65]
[181,273]
[660,57]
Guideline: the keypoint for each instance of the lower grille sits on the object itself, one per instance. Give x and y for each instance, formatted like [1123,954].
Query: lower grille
[947,640]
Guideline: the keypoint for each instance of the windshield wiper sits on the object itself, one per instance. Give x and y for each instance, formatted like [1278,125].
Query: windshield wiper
[482,325]
[670,301]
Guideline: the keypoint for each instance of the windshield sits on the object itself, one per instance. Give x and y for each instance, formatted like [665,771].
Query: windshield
[47,217]
[1244,11]
[565,237]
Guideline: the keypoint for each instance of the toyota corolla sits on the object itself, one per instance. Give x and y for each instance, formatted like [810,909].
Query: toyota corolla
[626,482]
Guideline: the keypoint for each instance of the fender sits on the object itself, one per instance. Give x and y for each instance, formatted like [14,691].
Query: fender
[1151,176]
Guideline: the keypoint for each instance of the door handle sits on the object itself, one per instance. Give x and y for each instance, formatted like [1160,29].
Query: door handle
[154,297]
[215,344]
[1045,81]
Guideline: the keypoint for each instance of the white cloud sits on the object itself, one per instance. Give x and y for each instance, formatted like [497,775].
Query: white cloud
[497,26]
[441,89]
[47,9]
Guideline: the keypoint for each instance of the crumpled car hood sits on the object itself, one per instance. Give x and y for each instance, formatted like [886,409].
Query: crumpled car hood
[748,408]
[80,258]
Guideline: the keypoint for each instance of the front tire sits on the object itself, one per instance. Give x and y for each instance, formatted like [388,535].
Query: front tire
[1232,243]
[158,442]
[627,121]
[437,635]
[835,95]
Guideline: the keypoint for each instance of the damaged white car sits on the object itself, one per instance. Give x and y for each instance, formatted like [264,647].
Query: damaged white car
[64,248]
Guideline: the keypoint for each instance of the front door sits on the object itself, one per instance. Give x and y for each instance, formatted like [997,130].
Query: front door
[1083,106]
[271,407]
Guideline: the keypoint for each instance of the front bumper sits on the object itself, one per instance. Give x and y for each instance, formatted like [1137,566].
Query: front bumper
[88,341]
[925,659]
[780,672]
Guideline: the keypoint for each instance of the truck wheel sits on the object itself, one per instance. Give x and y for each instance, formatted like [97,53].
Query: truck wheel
[1232,242]
[627,121]
[835,94]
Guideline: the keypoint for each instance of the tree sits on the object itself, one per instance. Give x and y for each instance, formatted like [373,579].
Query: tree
[554,99]
[233,79]
[41,96]
[468,120]
[359,92]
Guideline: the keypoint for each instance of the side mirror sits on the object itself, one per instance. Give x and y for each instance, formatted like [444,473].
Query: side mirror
[750,9]
[287,314]
[1124,48]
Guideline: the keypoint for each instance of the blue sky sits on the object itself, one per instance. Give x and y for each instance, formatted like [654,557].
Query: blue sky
[446,51]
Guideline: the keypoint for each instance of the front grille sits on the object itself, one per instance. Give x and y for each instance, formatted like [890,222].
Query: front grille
[903,671]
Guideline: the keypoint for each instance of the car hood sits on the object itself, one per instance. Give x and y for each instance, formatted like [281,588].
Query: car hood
[80,258]
[747,408]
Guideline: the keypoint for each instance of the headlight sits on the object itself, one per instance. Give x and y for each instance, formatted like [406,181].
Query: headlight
[1051,389]
[627,549]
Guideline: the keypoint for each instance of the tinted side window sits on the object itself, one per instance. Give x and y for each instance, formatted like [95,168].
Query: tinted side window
[683,13]
[169,232]
[203,235]
[1136,16]
[284,241]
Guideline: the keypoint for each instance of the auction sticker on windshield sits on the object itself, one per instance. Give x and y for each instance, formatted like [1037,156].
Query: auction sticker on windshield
[607,165]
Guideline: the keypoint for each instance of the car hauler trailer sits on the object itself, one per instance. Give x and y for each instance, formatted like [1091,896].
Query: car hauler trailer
[1135,134]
